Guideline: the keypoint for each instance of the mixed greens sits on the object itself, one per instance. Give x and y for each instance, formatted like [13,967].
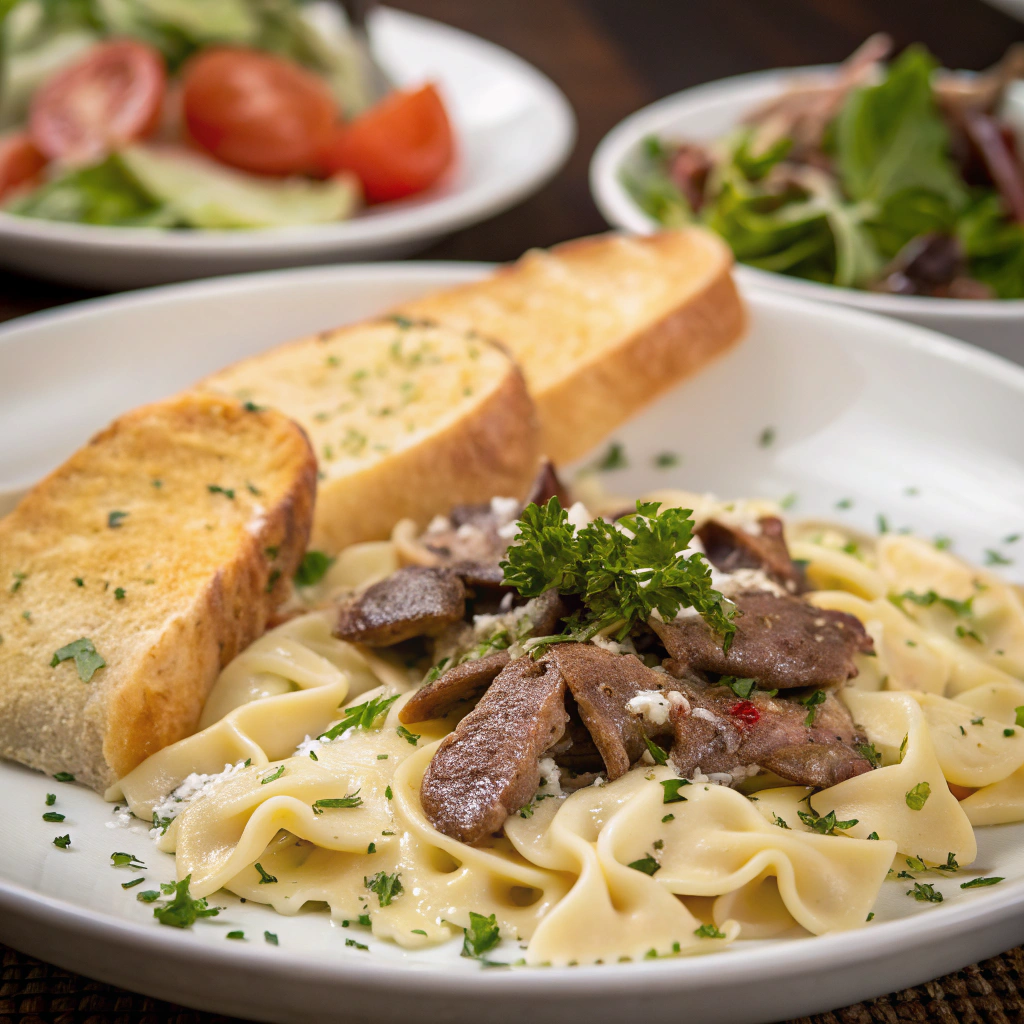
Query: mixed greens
[890,179]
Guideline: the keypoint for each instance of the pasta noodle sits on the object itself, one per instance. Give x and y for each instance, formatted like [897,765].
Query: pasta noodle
[256,804]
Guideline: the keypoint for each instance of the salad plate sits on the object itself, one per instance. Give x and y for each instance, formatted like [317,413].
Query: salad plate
[710,112]
[812,409]
[512,128]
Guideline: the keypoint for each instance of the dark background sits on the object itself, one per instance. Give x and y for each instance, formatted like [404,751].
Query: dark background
[611,57]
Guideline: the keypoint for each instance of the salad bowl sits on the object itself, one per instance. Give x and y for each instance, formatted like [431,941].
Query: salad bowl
[709,112]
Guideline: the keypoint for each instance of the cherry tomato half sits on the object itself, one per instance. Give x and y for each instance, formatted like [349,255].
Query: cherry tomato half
[20,161]
[109,97]
[397,148]
[258,112]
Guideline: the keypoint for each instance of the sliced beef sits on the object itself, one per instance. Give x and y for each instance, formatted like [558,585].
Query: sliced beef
[461,683]
[781,641]
[546,486]
[729,548]
[719,732]
[602,684]
[547,612]
[414,601]
[489,766]
[575,753]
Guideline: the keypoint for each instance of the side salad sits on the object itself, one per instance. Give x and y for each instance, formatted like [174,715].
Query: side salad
[899,179]
[202,114]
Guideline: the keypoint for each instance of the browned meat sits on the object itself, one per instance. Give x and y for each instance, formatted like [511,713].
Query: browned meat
[576,751]
[547,612]
[721,732]
[414,601]
[463,682]
[782,642]
[546,486]
[602,684]
[488,767]
[729,548]
[691,164]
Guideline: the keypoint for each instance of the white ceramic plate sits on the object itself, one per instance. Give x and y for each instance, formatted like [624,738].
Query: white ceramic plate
[709,112]
[1012,7]
[513,127]
[862,408]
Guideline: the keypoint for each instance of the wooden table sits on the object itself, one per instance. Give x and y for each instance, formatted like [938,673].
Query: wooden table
[610,57]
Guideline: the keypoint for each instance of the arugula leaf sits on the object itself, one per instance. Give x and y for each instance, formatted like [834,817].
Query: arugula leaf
[481,936]
[87,660]
[891,136]
[181,911]
[622,572]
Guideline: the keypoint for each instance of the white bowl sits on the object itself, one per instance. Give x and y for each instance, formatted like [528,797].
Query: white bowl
[708,112]
[513,129]
[860,406]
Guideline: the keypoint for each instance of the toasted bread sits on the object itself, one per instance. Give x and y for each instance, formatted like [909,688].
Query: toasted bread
[601,326]
[164,544]
[407,419]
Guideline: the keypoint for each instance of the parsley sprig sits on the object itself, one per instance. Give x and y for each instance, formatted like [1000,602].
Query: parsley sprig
[623,571]
[825,825]
[181,911]
[362,716]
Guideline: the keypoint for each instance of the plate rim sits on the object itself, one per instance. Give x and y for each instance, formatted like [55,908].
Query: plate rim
[916,932]
[400,224]
[621,212]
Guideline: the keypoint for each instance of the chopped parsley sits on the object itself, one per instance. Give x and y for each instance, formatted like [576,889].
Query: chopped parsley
[708,931]
[78,581]
[1009,732]
[961,609]
[116,519]
[788,500]
[351,800]
[925,892]
[436,672]
[659,754]
[874,835]
[648,865]
[669,817]
[356,945]
[386,886]
[943,543]
[361,716]
[781,822]
[19,578]
[62,841]
[271,938]
[119,593]
[766,437]
[918,796]
[882,523]
[868,752]
[844,503]
[481,936]
[313,568]
[826,825]
[903,746]
[1019,712]
[278,772]
[64,777]
[161,823]
[53,816]
[51,799]
[622,572]
[950,865]
[217,489]
[978,883]
[87,661]
[123,860]
[275,575]
[743,688]
[371,848]
[613,458]
[265,877]
[916,864]
[181,911]
[134,882]
[666,460]
[388,794]
[671,788]
[235,935]
[964,633]
[993,557]
[811,702]
[409,737]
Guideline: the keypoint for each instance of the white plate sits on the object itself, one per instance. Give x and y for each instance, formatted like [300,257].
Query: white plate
[709,112]
[862,407]
[513,128]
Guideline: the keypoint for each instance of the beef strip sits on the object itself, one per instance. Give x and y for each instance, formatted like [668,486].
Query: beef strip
[461,683]
[720,732]
[489,766]
[781,641]
[414,601]
[546,486]
[730,548]
[602,683]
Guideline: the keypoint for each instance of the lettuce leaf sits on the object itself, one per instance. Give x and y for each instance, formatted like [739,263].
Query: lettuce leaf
[994,246]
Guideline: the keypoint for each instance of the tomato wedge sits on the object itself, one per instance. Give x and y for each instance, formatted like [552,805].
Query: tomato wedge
[257,112]
[109,97]
[397,148]
[20,161]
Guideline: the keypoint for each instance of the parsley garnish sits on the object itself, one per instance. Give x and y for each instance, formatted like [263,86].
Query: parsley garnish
[121,860]
[119,593]
[270,937]
[613,458]
[916,864]
[776,820]
[623,572]
[672,787]
[918,796]
[115,519]
[1019,712]
[161,823]
[963,632]
[743,688]
[19,578]
[950,865]
[352,800]
[62,841]
[903,746]
[767,437]
[148,896]
[666,460]
[648,865]
[930,597]
[87,661]
[361,716]
[356,945]
[844,503]
[278,772]
[924,892]
[868,752]
[252,407]
[53,816]
[64,777]
[708,931]
[993,557]
[181,911]
[409,737]
[811,702]
[659,754]
[874,835]
[235,935]
[387,887]
[265,877]
[669,817]
[312,569]
[217,489]
[134,882]
[827,825]
[51,799]
[1009,732]
[978,883]
[481,936]
[436,672]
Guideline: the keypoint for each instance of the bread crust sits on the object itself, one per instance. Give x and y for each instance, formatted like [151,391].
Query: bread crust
[212,591]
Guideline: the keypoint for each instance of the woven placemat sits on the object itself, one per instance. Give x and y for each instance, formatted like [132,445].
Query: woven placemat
[32,992]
